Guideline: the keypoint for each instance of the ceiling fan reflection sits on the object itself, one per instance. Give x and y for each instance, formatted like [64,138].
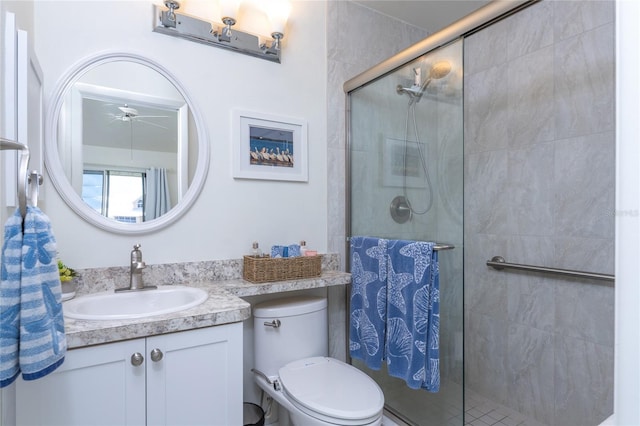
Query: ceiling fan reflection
[129,115]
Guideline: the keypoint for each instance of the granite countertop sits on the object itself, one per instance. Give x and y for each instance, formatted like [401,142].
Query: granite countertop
[223,306]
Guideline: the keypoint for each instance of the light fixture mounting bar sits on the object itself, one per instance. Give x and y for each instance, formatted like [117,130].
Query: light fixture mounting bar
[188,27]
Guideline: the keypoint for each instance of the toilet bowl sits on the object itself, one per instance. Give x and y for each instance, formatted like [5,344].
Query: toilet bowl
[292,366]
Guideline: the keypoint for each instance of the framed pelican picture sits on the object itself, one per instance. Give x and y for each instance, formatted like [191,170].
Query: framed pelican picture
[269,147]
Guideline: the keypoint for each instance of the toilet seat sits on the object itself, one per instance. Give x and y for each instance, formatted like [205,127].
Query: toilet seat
[332,391]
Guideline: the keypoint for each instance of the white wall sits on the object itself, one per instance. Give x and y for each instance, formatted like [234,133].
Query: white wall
[627,346]
[229,214]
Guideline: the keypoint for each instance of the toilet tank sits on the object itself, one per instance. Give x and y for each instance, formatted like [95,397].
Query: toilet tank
[302,332]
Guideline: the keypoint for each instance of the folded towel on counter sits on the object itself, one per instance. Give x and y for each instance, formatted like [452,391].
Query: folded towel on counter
[413,314]
[30,271]
[292,250]
[368,299]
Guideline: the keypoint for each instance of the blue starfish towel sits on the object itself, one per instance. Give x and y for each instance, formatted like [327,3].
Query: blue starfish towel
[413,314]
[32,324]
[368,300]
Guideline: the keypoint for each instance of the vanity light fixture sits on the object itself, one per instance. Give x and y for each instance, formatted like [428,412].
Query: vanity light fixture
[171,22]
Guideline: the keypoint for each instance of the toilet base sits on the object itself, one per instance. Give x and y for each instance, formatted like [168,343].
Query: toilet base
[274,416]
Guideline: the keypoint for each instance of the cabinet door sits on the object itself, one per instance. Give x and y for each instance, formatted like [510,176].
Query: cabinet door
[198,381]
[97,385]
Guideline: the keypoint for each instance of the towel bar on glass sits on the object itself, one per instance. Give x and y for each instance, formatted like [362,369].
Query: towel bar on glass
[442,246]
[499,263]
[436,247]
[25,178]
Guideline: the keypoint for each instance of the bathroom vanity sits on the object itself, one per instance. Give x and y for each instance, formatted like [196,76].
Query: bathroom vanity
[179,368]
[183,368]
[188,377]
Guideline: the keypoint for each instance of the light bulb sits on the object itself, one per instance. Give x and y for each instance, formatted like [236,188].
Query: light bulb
[203,9]
[229,8]
[278,12]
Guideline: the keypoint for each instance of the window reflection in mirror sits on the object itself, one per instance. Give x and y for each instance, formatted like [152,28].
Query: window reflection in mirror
[118,195]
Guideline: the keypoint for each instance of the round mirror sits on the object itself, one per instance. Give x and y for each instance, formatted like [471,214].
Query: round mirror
[125,148]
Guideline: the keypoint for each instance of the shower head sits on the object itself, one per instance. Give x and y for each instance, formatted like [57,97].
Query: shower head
[440,70]
[437,71]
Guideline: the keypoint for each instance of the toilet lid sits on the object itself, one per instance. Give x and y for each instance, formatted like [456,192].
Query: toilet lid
[328,387]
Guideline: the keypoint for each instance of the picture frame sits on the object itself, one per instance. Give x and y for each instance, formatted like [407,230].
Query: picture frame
[269,147]
[393,164]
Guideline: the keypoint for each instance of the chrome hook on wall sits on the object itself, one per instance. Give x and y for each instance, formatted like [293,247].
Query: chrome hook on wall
[25,179]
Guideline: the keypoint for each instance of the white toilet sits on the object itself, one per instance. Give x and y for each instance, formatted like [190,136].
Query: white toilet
[291,365]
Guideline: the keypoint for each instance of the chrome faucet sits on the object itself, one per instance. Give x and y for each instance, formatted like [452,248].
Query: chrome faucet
[135,272]
[137,265]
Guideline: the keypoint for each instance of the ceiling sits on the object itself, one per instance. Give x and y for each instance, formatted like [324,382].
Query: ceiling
[432,15]
[152,129]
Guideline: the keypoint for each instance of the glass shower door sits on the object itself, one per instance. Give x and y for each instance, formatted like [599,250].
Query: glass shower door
[406,182]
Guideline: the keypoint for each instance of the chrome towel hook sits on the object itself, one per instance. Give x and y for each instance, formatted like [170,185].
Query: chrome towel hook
[25,179]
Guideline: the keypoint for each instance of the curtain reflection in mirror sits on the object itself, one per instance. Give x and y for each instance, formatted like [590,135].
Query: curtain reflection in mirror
[157,200]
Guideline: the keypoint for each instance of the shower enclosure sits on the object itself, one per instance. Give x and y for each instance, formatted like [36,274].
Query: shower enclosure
[537,111]
[406,165]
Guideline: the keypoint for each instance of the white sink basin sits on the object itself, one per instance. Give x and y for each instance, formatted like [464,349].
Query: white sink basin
[109,305]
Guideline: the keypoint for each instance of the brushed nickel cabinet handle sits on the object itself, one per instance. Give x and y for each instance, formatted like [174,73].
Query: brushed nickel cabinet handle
[156,355]
[137,359]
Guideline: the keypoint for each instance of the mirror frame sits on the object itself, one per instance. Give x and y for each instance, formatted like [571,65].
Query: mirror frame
[56,171]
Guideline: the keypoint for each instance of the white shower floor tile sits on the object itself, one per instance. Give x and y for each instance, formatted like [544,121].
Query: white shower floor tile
[480,411]
[443,409]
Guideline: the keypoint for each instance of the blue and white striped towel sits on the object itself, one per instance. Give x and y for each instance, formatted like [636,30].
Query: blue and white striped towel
[413,314]
[368,300]
[30,272]
[10,272]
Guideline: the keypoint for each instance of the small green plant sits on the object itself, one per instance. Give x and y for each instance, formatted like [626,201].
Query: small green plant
[66,273]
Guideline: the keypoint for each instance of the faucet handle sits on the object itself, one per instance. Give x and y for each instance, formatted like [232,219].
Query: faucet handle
[136,253]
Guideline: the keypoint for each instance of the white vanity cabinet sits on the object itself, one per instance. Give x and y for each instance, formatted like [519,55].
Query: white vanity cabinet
[186,378]
[199,379]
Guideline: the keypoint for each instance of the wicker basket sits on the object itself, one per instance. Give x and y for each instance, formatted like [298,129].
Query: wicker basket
[266,269]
